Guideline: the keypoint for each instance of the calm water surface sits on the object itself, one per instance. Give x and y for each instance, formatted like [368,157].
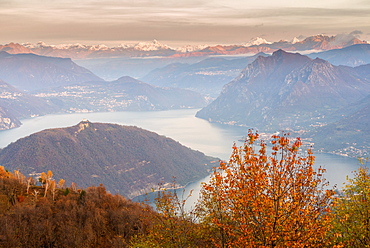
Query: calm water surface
[180,125]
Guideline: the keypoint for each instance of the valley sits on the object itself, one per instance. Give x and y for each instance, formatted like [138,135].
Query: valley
[324,104]
[132,124]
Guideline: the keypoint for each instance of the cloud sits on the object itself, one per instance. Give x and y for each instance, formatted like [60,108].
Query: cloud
[170,19]
[356,33]
[170,12]
[344,38]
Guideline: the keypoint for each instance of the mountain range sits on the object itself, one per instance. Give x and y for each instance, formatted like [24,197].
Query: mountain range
[287,90]
[22,73]
[354,55]
[127,160]
[284,90]
[312,43]
[36,85]
[155,48]
[123,94]
[207,76]
[136,67]
[33,72]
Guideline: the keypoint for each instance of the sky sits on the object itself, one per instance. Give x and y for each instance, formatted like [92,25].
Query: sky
[177,23]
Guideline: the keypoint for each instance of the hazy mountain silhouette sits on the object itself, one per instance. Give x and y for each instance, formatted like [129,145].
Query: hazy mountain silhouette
[125,93]
[33,72]
[207,76]
[354,55]
[286,90]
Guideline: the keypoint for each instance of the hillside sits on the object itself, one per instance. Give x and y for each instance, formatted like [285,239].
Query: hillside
[363,71]
[127,160]
[21,104]
[354,55]
[7,121]
[123,94]
[16,104]
[113,68]
[287,90]
[207,76]
[33,72]
[348,136]
[58,215]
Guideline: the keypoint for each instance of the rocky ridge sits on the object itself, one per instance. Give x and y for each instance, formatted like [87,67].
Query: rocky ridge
[287,90]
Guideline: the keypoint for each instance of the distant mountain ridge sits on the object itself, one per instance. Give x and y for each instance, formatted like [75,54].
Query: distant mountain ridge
[155,48]
[287,90]
[355,55]
[20,73]
[127,160]
[15,48]
[207,76]
[317,42]
[123,94]
[37,85]
[32,72]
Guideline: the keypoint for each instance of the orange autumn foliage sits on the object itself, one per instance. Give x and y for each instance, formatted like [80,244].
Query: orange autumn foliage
[261,200]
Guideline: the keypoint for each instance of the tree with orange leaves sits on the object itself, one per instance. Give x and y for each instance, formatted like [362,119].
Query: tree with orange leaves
[261,200]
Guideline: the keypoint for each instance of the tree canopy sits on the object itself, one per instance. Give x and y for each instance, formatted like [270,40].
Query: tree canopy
[261,200]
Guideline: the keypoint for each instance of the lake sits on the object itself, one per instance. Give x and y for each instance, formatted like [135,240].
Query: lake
[180,125]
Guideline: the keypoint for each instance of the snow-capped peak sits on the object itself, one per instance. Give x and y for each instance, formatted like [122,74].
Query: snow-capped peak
[41,44]
[257,41]
[125,46]
[28,45]
[75,46]
[150,46]
[191,48]
[100,47]
[72,46]
[295,40]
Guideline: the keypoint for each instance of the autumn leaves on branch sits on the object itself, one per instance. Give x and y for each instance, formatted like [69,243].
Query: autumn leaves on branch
[259,198]
[262,199]
[268,200]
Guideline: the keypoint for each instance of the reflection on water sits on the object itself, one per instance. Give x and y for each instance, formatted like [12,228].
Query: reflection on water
[180,125]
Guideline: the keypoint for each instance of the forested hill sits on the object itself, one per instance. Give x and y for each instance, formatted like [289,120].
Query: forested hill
[127,160]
